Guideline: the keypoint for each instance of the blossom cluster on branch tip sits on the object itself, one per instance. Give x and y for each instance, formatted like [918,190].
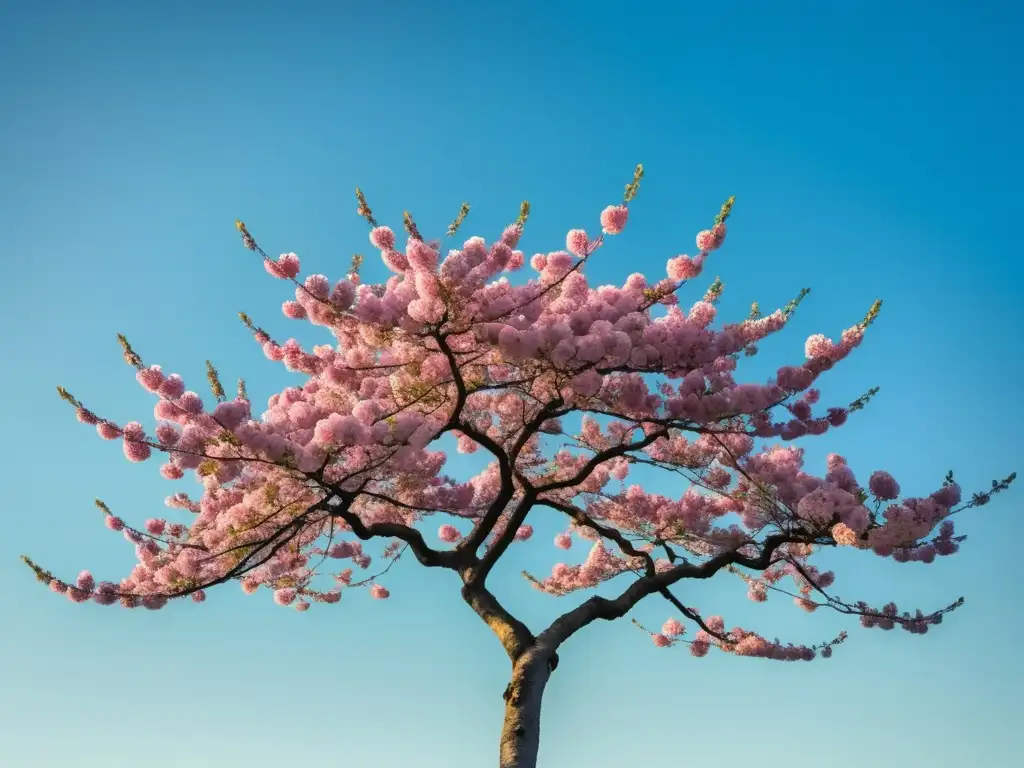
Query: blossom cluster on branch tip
[566,387]
[739,642]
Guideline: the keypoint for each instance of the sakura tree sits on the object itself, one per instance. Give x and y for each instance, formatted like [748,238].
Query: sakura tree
[566,388]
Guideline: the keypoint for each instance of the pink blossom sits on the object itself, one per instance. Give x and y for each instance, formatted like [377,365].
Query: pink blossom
[133,431]
[883,486]
[171,472]
[105,594]
[818,346]
[448,533]
[343,295]
[167,434]
[382,238]
[577,242]
[510,236]
[683,268]
[377,592]
[151,378]
[316,287]
[286,267]
[844,535]
[76,595]
[672,628]
[711,239]
[135,451]
[613,219]
[524,532]
[516,261]
[85,581]
[806,604]
[948,496]
[86,416]
[466,444]
[293,310]
[342,550]
[173,386]
[108,431]
[190,402]
[421,256]
[702,314]
[284,596]
[661,641]
[837,416]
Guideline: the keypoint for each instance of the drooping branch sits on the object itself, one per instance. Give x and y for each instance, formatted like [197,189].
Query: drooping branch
[608,609]
[693,616]
[886,618]
[268,547]
[432,558]
[584,520]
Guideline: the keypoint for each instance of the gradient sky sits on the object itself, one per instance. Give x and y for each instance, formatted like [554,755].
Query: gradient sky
[874,149]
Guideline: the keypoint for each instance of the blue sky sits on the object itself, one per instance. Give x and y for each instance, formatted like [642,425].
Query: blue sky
[874,151]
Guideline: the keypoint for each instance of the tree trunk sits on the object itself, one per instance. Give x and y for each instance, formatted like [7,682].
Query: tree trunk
[520,735]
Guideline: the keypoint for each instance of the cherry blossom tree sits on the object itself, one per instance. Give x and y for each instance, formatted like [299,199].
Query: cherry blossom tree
[565,388]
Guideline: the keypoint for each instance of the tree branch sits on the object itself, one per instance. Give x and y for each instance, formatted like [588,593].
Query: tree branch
[600,458]
[582,519]
[514,635]
[519,516]
[602,608]
[432,558]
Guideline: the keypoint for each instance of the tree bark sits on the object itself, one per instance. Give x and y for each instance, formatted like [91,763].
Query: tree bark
[520,734]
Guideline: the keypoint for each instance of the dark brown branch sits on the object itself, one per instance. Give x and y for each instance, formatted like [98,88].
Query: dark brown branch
[582,519]
[612,534]
[600,458]
[518,516]
[693,616]
[243,565]
[472,543]
[432,558]
[516,519]
[374,577]
[603,608]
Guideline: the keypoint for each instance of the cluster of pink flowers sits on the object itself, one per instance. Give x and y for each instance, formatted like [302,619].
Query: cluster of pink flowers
[600,565]
[739,642]
[451,344]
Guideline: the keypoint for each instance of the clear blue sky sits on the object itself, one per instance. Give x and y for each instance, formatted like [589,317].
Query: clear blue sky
[874,149]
